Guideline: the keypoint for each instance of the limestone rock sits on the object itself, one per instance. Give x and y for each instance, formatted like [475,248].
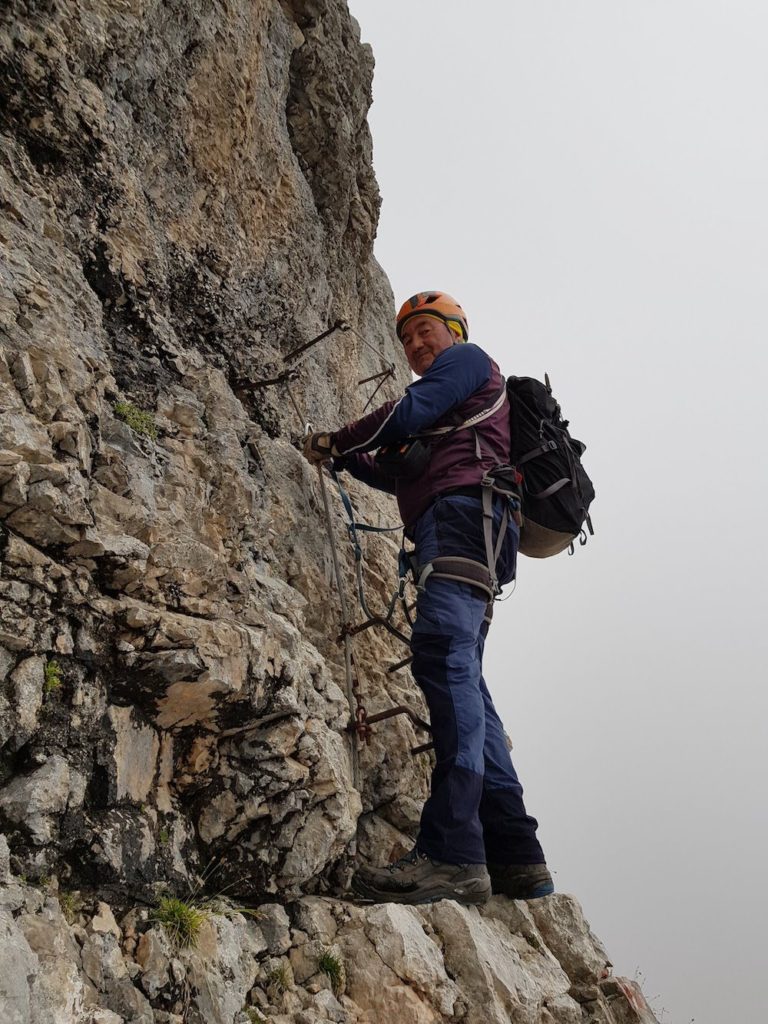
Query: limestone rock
[103,922]
[426,964]
[102,1016]
[154,958]
[33,800]
[626,1002]
[561,922]
[397,934]
[315,916]
[222,969]
[135,752]
[104,965]
[329,1008]
[57,992]
[27,681]
[20,967]
[498,971]
[5,861]
[275,926]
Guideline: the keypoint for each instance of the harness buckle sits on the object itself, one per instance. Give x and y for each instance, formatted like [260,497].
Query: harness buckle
[425,571]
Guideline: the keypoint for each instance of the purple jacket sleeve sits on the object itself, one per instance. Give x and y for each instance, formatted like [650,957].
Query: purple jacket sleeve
[455,374]
[363,467]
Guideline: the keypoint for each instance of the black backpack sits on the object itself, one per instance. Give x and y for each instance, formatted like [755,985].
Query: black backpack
[556,491]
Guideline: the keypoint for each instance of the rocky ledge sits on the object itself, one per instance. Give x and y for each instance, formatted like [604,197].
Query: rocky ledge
[68,958]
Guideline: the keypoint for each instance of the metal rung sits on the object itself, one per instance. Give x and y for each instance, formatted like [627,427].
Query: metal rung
[401,709]
[361,724]
[422,749]
[377,620]
[400,664]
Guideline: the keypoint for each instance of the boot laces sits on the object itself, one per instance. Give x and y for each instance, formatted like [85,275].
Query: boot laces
[410,858]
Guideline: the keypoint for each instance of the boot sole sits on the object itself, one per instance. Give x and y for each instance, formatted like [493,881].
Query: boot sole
[533,894]
[460,894]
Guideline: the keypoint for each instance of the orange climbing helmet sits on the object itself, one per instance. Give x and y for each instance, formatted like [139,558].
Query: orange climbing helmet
[436,304]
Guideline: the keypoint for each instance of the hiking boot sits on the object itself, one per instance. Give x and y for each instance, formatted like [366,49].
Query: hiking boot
[521,881]
[417,878]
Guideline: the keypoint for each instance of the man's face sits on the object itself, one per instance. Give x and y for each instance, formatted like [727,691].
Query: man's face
[424,338]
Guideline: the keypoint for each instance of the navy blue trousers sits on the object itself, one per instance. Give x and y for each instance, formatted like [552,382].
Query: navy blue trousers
[475,812]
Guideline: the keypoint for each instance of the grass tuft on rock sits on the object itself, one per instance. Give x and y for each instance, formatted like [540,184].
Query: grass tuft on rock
[71,904]
[280,979]
[182,921]
[139,420]
[331,964]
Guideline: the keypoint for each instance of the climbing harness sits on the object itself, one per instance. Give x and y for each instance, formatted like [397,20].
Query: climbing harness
[466,570]
[504,482]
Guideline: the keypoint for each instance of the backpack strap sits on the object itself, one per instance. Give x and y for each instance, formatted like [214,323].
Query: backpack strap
[498,402]
[553,488]
[492,551]
[542,449]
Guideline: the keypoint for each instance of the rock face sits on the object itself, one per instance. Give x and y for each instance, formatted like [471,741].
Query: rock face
[186,199]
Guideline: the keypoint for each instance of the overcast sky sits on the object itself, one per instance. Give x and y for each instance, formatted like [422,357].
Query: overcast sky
[589,179]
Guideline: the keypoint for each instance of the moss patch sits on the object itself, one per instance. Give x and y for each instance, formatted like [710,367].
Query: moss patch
[52,676]
[139,420]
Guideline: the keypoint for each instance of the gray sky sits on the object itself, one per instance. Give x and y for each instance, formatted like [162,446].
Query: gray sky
[588,178]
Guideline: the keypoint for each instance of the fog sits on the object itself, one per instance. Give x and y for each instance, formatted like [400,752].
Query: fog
[589,180]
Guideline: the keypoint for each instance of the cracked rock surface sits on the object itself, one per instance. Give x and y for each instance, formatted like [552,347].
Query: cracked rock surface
[313,960]
[186,198]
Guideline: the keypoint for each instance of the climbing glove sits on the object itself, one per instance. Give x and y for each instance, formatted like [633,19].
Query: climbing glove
[318,448]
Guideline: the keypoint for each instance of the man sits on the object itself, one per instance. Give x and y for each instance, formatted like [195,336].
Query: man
[475,834]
